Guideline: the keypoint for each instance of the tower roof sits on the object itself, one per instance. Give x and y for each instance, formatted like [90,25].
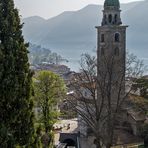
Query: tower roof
[114,3]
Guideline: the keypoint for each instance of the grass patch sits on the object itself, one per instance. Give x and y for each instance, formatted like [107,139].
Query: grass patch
[141,146]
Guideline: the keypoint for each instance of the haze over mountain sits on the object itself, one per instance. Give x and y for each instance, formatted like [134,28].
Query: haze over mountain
[73,33]
[51,8]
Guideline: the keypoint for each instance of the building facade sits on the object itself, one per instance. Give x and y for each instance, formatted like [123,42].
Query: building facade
[111,58]
[111,50]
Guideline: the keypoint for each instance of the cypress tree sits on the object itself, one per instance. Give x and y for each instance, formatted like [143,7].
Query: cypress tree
[16,115]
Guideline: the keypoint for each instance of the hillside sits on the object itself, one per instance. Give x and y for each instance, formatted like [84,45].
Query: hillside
[39,55]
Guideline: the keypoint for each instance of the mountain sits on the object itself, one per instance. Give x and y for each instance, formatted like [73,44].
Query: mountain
[74,33]
[137,33]
[69,27]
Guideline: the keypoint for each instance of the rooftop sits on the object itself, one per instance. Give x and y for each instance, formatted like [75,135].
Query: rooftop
[113,3]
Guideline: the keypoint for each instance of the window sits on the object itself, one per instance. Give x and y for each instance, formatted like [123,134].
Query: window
[102,38]
[115,18]
[102,52]
[116,51]
[110,18]
[105,20]
[85,94]
[117,37]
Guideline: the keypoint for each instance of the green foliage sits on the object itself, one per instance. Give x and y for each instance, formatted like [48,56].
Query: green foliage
[141,146]
[144,134]
[142,84]
[16,120]
[6,138]
[37,141]
[139,103]
[49,90]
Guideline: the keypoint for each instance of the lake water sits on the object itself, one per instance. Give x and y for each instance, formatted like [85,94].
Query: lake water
[74,56]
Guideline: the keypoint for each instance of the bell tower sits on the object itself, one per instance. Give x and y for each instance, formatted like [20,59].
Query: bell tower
[111,13]
[111,46]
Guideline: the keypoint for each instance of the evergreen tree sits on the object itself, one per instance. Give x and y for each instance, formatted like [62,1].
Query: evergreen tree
[16,115]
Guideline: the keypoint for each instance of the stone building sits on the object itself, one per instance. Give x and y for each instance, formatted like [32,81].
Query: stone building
[111,49]
[136,119]
[109,86]
[111,54]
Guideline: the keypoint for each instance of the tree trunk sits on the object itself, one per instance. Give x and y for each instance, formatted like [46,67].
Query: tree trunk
[108,146]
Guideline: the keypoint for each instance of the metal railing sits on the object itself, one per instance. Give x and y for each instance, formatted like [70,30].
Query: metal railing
[61,145]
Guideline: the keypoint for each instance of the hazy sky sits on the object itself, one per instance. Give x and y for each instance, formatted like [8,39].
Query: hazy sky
[50,8]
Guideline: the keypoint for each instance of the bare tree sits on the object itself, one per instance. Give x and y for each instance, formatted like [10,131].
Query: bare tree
[101,91]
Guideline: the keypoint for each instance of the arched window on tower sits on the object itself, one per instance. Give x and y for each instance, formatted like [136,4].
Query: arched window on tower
[116,51]
[102,38]
[102,52]
[117,37]
[105,19]
[115,18]
[110,18]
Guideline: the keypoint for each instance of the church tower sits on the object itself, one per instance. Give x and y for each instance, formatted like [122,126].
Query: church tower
[111,46]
